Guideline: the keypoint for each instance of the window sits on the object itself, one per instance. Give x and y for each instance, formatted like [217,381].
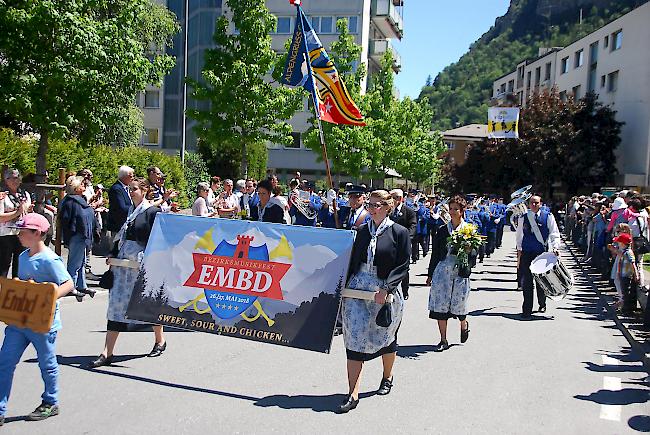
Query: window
[602,81]
[538,75]
[593,53]
[326,25]
[563,96]
[579,58]
[451,146]
[576,92]
[547,72]
[150,136]
[565,65]
[296,140]
[502,89]
[511,85]
[152,99]
[612,81]
[617,40]
[528,79]
[606,42]
[284,25]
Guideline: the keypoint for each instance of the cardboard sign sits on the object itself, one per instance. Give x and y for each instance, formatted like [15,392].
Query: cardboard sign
[278,284]
[27,304]
[503,122]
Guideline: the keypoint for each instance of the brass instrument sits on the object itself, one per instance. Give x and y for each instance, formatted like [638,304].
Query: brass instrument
[300,199]
[519,204]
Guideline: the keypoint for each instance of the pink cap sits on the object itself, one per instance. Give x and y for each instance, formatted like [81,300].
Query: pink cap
[33,221]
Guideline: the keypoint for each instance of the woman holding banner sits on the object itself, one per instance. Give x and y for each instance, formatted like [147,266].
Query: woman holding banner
[379,262]
[131,242]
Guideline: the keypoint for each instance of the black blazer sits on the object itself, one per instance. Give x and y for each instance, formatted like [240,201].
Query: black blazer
[119,205]
[439,249]
[406,218]
[273,214]
[392,255]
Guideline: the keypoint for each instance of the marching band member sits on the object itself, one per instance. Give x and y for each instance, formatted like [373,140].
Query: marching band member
[500,211]
[537,232]
[379,262]
[313,203]
[405,217]
[267,210]
[421,231]
[357,214]
[326,214]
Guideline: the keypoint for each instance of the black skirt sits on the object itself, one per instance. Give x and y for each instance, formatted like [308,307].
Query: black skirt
[359,356]
[446,316]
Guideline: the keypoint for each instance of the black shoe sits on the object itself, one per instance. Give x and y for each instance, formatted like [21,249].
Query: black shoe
[77,294]
[43,411]
[442,346]
[338,331]
[157,350]
[542,309]
[90,292]
[347,406]
[406,297]
[464,334]
[385,386]
[101,361]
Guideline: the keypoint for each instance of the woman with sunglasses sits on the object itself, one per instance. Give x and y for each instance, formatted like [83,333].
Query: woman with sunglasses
[449,291]
[131,242]
[380,261]
[14,204]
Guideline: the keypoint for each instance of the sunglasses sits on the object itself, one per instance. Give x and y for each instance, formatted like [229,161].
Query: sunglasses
[375,204]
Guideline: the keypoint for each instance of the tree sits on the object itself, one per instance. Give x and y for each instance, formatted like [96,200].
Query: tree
[73,68]
[246,108]
[346,144]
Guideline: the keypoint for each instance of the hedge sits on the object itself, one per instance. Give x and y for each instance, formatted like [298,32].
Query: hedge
[20,152]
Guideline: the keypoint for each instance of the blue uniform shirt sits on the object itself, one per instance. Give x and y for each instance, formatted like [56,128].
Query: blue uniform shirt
[45,266]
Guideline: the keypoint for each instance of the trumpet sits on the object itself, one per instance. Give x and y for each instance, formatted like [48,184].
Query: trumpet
[443,211]
[300,199]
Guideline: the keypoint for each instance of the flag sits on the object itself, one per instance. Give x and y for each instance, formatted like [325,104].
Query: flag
[309,66]
[503,122]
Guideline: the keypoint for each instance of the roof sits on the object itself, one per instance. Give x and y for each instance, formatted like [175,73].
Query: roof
[473,131]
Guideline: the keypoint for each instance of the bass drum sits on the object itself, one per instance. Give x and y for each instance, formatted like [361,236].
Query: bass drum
[552,276]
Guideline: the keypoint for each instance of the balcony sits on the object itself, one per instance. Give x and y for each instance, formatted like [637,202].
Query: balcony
[388,18]
[378,48]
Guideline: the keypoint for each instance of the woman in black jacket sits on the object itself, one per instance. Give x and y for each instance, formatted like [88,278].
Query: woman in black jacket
[379,263]
[78,225]
[266,210]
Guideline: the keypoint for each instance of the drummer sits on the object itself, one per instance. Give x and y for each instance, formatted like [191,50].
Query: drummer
[537,232]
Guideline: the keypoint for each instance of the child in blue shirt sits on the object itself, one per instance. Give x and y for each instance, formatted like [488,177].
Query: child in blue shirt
[40,264]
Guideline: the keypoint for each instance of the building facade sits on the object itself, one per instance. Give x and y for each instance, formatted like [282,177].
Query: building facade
[372,23]
[459,141]
[613,62]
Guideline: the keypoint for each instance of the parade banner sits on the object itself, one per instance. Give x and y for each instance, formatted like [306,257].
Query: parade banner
[503,123]
[265,282]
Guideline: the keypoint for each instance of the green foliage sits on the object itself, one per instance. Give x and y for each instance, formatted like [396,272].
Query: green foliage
[459,94]
[245,107]
[257,158]
[73,68]
[196,171]
[104,161]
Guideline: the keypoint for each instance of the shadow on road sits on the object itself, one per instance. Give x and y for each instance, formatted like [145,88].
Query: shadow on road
[625,396]
[640,423]
[327,403]
[415,351]
[488,313]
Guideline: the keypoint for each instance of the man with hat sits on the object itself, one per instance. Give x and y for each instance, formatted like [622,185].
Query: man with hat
[537,232]
[355,214]
[313,203]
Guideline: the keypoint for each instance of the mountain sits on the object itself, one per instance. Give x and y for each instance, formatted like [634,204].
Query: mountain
[460,93]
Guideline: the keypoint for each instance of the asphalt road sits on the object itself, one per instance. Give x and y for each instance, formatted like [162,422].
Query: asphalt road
[567,371]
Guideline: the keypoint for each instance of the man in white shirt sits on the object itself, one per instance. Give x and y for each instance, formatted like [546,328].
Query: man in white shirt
[531,242]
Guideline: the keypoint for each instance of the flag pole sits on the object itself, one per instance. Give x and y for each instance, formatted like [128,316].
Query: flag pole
[320,126]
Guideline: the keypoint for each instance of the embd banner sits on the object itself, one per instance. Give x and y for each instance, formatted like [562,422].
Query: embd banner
[503,122]
[272,283]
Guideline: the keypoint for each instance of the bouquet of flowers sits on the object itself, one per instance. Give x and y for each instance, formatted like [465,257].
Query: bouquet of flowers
[463,242]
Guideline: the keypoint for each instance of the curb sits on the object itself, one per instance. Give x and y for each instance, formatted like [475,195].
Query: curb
[634,343]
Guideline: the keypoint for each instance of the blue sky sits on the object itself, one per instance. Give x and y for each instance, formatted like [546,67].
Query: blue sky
[437,33]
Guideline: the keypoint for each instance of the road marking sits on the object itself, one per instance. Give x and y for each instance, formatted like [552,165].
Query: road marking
[611,383]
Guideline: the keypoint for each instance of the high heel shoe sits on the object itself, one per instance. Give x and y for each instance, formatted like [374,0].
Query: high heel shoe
[347,406]
[157,350]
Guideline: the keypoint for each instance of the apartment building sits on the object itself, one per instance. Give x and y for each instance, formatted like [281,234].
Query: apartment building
[613,62]
[373,24]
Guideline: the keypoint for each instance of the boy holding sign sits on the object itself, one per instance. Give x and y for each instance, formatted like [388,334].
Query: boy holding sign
[40,264]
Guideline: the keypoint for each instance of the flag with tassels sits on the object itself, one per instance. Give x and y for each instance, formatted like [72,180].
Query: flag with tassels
[309,66]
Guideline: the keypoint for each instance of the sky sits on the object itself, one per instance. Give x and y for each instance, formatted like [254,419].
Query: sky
[437,33]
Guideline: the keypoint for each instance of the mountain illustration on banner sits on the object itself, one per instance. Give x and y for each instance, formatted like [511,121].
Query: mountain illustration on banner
[319,75]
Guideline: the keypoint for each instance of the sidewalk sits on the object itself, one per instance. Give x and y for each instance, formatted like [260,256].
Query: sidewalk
[631,327]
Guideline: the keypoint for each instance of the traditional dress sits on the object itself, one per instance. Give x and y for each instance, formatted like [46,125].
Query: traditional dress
[449,292]
[380,260]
